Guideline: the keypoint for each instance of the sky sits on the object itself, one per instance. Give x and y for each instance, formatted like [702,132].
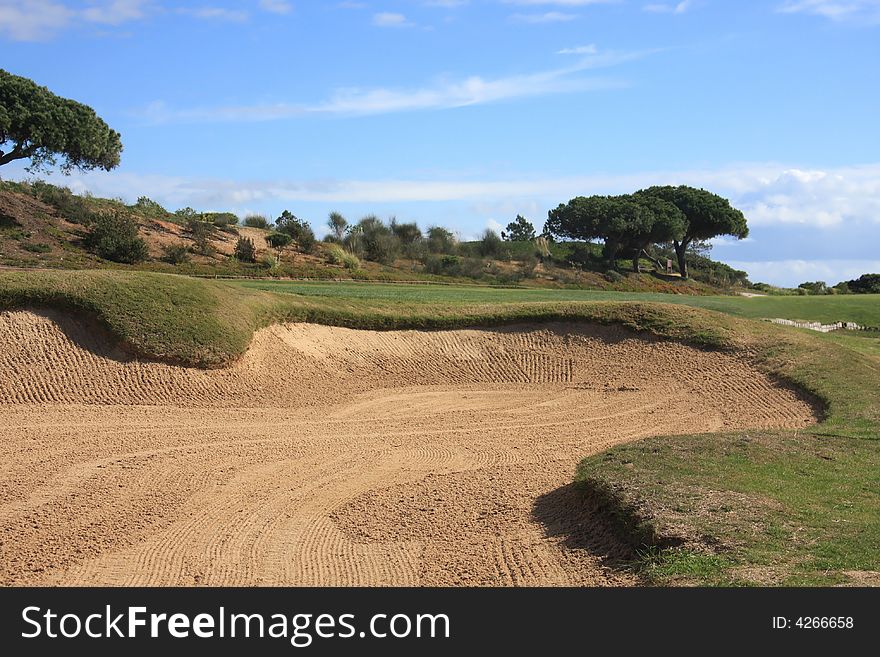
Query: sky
[465,113]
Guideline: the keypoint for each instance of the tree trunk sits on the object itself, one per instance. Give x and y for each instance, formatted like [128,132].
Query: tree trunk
[636,267]
[680,250]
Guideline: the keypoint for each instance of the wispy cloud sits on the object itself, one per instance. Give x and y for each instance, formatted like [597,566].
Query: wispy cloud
[216,13]
[769,194]
[579,50]
[865,11]
[444,93]
[391,19]
[117,11]
[40,20]
[547,17]
[32,20]
[276,6]
[670,8]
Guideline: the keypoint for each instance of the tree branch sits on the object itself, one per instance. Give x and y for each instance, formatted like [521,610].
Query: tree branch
[16,153]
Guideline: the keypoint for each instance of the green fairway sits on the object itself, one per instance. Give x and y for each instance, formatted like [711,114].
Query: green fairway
[863,309]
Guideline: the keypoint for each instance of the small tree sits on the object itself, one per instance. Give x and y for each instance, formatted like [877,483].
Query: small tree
[519,230]
[407,233]
[337,224]
[40,126]
[298,229]
[114,236]
[278,240]
[245,251]
[440,240]
[490,244]
[201,232]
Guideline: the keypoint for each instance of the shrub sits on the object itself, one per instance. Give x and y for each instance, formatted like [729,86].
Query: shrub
[351,261]
[440,240]
[614,276]
[114,236]
[278,240]
[272,262]
[256,221]
[36,248]
[443,265]
[374,240]
[298,229]
[245,251]
[336,255]
[68,205]
[186,215]
[220,219]
[408,233]
[176,254]
[201,232]
[490,245]
[148,207]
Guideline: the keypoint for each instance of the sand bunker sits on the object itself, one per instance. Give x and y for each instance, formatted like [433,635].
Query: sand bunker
[330,456]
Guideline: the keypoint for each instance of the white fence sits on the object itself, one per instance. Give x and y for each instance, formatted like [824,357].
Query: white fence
[822,328]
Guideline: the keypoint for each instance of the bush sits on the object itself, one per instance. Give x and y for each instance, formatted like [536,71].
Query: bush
[148,207]
[201,232]
[278,240]
[176,254]
[440,240]
[273,263]
[490,245]
[68,205]
[114,236]
[298,229]
[36,248]
[443,265]
[245,251]
[220,219]
[614,276]
[336,255]
[256,221]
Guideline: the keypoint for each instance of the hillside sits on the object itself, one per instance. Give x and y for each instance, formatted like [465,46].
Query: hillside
[44,226]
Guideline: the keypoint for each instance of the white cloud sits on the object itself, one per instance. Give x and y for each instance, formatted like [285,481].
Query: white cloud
[390,19]
[769,194]
[216,13]
[442,94]
[790,273]
[670,8]
[32,20]
[116,12]
[548,17]
[867,11]
[579,50]
[276,6]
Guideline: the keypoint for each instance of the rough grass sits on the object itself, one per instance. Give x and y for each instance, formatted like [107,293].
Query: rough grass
[767,507]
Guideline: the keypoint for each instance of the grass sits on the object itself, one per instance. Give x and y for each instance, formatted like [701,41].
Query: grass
[863,309]
[753,507]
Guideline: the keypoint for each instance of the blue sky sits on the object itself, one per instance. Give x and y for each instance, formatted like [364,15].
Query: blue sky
[466,113]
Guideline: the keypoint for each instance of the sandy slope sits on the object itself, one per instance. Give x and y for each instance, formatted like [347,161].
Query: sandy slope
[333,456]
